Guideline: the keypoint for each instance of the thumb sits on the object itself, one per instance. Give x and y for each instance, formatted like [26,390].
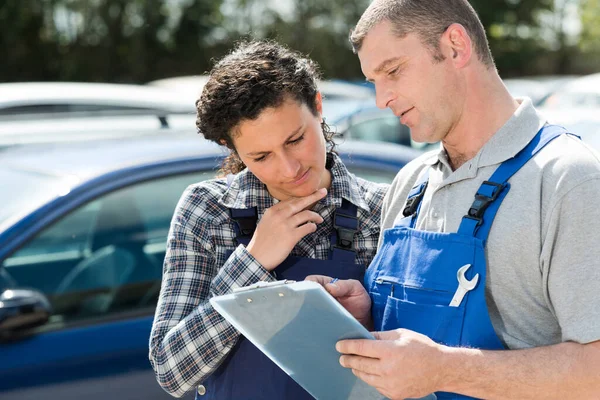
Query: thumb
[339,288]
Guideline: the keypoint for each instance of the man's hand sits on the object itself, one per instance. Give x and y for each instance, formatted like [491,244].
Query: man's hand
[351,294]
[399,364]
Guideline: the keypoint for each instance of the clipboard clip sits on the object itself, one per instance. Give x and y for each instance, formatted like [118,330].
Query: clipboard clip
[260,285]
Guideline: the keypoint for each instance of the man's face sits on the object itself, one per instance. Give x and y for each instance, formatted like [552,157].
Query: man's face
[417,88]
[285,148]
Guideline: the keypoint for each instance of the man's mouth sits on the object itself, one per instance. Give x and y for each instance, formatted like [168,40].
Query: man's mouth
[404,112]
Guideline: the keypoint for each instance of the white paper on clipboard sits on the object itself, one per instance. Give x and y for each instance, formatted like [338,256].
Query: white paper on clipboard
[297,326]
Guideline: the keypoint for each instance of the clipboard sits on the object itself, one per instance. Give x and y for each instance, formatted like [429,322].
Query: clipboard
[297,324]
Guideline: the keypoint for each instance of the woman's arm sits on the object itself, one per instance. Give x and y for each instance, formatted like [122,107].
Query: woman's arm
[189,339]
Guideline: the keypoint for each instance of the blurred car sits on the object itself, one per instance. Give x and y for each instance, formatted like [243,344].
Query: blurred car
[339,97]
[372,124]
[41,112]
[89,128]
[536,87]
[83,229]
[576,106]
[522,87]
[77,99]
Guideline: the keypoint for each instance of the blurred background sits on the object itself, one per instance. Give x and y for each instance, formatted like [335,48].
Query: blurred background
[98,141]
[136,41]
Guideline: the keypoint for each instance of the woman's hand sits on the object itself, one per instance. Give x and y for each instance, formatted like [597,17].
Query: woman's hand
[281,227]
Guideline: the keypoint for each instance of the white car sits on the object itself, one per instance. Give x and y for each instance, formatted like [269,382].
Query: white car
[339,97]
[27,100]
[42,112]
[576,106]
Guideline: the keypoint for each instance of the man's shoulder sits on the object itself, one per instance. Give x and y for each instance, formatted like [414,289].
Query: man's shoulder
[568,161]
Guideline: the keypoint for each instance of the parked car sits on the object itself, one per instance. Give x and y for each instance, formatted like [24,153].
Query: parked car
[339,97]
[372,124]
[28,100]
[42,112]
[83,228]
[576,106]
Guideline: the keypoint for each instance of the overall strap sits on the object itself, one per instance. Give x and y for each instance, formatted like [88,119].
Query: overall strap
[490,194]
[413,201]
[345,224]
[244,223]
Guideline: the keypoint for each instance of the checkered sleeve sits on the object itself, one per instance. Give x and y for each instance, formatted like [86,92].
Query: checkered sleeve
[189,339]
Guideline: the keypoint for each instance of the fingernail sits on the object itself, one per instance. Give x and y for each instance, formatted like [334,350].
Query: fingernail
[323,191]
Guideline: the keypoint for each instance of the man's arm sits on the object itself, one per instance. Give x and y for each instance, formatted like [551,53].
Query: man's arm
[562,371]
[403,364]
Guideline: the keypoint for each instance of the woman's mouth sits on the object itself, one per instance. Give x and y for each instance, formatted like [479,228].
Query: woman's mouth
[301,179]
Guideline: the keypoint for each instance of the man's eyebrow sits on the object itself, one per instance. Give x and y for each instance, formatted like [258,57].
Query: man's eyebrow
[260,153]
[385,64]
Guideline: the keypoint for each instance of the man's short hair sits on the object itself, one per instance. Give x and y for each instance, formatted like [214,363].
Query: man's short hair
[429,19]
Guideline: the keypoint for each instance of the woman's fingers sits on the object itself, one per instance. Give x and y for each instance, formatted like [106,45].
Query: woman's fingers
[304,217]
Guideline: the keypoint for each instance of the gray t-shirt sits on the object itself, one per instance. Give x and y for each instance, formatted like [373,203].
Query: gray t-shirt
[543,251]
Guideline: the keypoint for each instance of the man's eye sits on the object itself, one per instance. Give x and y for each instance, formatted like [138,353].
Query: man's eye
[393,71]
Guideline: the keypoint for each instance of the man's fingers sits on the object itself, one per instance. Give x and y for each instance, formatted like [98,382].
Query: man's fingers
[369,379]
[361,347]
[320,279]
[388,335]
[363,364]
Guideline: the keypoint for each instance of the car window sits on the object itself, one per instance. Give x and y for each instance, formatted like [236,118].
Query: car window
[106,256]
[70,110]
[385,129]
[372,174]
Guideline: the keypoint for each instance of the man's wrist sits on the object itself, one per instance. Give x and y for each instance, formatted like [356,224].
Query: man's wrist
[454,363]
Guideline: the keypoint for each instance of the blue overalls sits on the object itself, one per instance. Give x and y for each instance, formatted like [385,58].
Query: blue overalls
[413,277]
[247,373]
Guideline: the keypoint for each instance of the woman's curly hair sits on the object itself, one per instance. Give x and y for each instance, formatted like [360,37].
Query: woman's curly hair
[256,75]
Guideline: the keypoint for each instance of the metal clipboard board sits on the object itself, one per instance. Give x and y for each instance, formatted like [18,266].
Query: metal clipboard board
[297,324]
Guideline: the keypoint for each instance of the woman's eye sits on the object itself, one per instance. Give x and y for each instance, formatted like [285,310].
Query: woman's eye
[296,141]
[259,159]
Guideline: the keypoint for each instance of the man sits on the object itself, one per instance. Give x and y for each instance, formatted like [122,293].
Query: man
[487,277]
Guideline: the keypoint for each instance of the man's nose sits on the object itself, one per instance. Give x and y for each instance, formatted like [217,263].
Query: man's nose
[383,95]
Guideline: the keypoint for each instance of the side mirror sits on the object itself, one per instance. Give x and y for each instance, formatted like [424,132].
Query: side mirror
[22,309]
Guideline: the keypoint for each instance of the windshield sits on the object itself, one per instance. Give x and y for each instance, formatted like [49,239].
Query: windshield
[24,191]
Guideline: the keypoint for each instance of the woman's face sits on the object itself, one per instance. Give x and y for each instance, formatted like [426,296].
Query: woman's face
[285,148]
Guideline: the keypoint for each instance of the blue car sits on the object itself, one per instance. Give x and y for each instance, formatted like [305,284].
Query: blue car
[83,229]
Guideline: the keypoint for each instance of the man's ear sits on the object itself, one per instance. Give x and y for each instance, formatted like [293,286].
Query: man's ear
[456,45]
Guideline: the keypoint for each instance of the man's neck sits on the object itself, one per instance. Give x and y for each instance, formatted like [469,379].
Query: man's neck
[487,107]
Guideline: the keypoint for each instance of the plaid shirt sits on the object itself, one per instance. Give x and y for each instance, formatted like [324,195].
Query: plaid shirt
[189,339]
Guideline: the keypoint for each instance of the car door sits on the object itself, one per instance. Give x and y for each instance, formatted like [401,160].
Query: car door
[100,267]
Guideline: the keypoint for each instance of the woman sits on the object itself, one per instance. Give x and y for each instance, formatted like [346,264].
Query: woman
[286,208]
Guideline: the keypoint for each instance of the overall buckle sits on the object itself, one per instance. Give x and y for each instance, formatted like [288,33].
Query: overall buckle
[345,235]
[483,201]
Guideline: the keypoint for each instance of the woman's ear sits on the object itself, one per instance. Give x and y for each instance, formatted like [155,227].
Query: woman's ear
[319,105]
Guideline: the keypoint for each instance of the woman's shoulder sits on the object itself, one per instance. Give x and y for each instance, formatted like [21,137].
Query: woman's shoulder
[201,201]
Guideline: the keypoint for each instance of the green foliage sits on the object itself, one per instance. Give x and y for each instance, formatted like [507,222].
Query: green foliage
[141,40]
[590,20]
